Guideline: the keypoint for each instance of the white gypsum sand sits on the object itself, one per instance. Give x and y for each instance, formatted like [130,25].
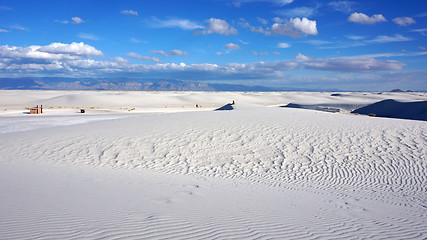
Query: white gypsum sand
[257,171]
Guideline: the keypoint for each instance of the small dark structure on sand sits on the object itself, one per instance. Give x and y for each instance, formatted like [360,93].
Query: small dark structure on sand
[36,110]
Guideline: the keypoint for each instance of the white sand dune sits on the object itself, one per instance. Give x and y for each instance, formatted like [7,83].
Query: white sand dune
[255,172]
[115,100]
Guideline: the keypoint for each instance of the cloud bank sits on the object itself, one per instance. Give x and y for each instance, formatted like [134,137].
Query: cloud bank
[78,59]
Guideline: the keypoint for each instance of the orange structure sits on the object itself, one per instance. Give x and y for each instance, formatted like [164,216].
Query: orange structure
[37,110]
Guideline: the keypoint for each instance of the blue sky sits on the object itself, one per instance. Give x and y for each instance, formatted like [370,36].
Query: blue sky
[351,45]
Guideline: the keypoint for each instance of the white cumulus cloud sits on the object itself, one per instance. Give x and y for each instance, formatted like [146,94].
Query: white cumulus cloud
[218,26]
[304,25]
[72,49]
[130,12]
[362,18]
[404,21]
[53,57]
[232,46]
[283,45]
[77,20]
[295,26]
[74,20]
[16,54]
[301,57]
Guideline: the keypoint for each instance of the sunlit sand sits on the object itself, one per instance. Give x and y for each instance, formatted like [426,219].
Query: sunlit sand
[152,165]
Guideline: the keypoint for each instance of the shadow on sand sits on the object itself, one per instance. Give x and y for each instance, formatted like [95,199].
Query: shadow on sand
[226,107]
[394,109]
[313,107]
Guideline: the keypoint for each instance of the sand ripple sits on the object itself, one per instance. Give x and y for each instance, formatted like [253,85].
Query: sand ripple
[349,157]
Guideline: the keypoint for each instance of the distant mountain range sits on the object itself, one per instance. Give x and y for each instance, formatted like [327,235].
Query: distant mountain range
[127,84]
